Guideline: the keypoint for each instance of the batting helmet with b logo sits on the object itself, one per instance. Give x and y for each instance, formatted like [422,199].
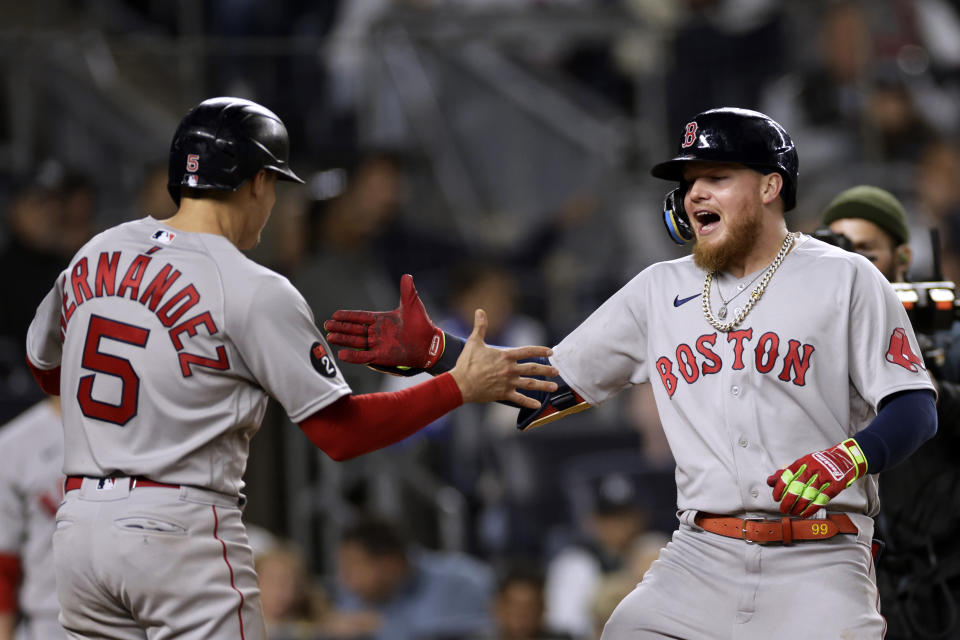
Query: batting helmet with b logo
[728,134]
[222,142]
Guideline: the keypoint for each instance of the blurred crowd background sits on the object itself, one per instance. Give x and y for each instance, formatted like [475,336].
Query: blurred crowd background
[498,150]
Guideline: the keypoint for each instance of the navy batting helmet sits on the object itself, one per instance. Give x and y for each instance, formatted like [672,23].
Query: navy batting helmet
[729,135]
[223,142]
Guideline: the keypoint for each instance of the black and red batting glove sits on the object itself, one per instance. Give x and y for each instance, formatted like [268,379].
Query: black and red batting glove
[812,481]
[403,339]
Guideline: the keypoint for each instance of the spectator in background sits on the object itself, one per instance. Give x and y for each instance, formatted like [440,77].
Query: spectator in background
[31,486]
[869,98]
[710,51]
[476,284]
[484,284]
[78,202]
[641,412]
[465,448]
[614,587]
[153,197]
[49,220]
[937,180]
[876,225]
[893,121]
[518,606]
[600,549]
[292,604]
[823,104]
[389,590]
[344,269]
[33,258]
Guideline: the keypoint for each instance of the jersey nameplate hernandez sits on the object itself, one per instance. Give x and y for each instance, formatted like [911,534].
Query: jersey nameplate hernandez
[170,304]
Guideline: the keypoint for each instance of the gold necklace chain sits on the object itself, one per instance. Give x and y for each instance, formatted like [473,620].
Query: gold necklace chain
[741,314]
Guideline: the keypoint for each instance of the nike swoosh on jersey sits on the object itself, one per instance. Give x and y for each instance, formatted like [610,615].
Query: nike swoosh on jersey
[677,301]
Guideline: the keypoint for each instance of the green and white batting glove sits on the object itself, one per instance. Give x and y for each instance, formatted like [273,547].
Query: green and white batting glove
[812,481]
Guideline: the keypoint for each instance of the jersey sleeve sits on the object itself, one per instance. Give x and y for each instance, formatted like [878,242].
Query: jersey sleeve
[884,355]
[44,343]
[614,335]
[12,509]
[285,352]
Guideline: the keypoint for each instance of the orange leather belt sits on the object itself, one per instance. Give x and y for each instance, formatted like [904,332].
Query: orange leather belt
[776,530]
[74,482]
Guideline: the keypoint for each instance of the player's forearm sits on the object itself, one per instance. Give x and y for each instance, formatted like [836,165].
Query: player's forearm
[355,425]
[903,423]
[10,575]
[7,623]
[49,380]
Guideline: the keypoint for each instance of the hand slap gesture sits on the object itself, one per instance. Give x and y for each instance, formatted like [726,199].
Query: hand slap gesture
[488,374]
[404,337]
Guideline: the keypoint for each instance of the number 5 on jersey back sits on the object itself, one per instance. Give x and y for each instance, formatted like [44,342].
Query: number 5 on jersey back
[96,360]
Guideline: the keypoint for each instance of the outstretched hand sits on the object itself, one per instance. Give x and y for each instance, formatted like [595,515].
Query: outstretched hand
[404,337]
[487,374]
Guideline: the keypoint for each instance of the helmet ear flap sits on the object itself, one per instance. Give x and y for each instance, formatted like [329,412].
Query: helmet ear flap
[675,217]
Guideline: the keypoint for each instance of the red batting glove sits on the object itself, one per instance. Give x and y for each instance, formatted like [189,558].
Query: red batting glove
[403,338]
[813,480]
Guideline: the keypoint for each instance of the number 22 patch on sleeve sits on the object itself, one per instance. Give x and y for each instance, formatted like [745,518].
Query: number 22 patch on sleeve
[322,361]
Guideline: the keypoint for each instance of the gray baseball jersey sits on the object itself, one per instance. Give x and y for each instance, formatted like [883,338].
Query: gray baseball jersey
[170,343]
[31,486]
[805,370]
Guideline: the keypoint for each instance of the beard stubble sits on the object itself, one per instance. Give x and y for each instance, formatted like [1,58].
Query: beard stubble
[740,238]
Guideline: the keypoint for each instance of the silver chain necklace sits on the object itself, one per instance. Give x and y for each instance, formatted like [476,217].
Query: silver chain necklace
[754,296]
[722,311]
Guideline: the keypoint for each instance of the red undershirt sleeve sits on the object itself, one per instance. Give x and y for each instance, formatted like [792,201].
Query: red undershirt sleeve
[49,380]
[354,425]
[10,574]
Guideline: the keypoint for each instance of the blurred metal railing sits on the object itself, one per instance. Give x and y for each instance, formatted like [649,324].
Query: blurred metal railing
[393,482]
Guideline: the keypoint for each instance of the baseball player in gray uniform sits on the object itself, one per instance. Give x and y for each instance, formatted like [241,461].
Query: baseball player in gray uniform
[31,486]
[164,342]
[786,376]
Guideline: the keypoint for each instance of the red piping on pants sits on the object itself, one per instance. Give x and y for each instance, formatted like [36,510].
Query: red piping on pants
[216,524]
